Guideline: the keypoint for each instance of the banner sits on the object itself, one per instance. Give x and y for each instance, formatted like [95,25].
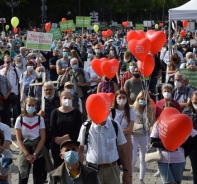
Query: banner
[139,26]
[56,33]
[39,41]
[83,21]
[68,25]
[191,75]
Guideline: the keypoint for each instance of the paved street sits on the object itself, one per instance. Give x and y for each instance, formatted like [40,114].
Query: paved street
[149,178]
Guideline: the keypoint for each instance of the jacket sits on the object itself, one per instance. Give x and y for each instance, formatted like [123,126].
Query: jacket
[23,163]
[88,175]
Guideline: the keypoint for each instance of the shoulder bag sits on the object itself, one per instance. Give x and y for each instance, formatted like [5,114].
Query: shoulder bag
[153,156]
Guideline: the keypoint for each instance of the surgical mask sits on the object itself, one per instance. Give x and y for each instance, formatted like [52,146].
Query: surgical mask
[195,106]
[166,95]
[30,68]
[190,61]
[48,97]
[121,102]
[97,51]
[142,102]
[126,60]
[131,68]
[71,157]
[89,51]
[59,45]
[75,67]
[30,110]
[19,65]
[72,91]
[40,75]
[112,52]
[65,54]
[67,102]
[177,84]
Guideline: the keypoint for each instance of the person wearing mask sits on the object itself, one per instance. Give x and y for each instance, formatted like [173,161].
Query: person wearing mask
[22,54]
[98,53]
[65,123]
[59,48]
[190,63]
[134,85]
[52,65]
[62,63]
[144,112]
[17,43]
[128,74]
[76,103]
[100,40]
[122,113]
[31,143]
[185,48]
[74,54]
[181,93]
[25,80]
[19,64]
[167,94]
[72,170]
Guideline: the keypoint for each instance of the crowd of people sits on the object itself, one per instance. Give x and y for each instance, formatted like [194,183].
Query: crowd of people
[43,96]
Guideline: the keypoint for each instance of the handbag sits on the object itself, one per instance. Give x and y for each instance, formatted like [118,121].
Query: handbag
[138,129]
[153,156]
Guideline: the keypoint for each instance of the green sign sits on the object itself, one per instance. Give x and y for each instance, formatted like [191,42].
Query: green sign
[83,21]
[191,75]
[68,25]
[56,33]
[139,26]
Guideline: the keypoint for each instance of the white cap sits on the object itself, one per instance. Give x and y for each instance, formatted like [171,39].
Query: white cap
[183,43]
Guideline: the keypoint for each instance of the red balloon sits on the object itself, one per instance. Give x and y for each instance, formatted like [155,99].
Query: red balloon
[141,33]
[104,34]
[157,39]
[47,26]
[153,102]
[104,59]
[125,24]
[185,23]
[109,32]
[63,19]
[183,33]
[146,66]
[133,35]
[15,30]
[96,66]
[110,68]
[139,48]
[101,47]
[174,128]
[102,106]
[111,96]
[160,24]
[34,30]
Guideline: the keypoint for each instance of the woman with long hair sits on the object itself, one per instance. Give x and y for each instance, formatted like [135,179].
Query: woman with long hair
[144,112]
[122,113]
[74,54]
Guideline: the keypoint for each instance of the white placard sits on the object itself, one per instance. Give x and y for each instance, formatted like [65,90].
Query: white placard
[147,23]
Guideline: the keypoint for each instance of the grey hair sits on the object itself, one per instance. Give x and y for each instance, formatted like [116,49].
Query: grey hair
[169,86]
[49,83]
[178,74]
[73,59]
[40,67]
[189,54]
[21,48]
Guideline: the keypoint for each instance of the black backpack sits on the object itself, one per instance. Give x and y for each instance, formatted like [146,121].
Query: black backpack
[22,120]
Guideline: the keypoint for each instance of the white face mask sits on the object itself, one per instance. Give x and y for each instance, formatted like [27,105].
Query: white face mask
[121,102]
[195,106]
[30,68]
[67,102]
[177,84]
[126,60]
[131,68]
[166,95]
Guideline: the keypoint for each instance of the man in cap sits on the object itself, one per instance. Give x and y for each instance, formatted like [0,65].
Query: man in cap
[72,171]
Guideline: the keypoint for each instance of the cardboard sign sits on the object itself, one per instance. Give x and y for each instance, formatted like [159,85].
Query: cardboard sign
[39,41]
[83,21]
[56,33]
[68,25]
[191,75]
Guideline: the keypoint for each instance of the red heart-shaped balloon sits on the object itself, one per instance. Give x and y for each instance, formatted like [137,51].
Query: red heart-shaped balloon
[99,112]
[104,34]
[125,24]
[183,33]
[157,39]
[141,33]
[133,35]
[146,66]
[110,68]
[109,32]
[139,48]
[96,66]
[174,128]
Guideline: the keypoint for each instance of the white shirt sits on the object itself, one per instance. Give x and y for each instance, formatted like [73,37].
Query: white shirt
[93,75]
[30,127]
[11,75]
[102,148]
[6,131]
[120,117]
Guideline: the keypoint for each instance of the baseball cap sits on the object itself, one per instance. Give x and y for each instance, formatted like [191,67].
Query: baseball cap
[68,84]
[64,143]
[183,43]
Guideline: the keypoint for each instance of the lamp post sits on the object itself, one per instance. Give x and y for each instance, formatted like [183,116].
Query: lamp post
[12,5]
[43,9]
[79,7]
[163,11]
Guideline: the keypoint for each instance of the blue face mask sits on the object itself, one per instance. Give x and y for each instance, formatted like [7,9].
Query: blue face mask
[142,102]
[30,110]
[190,61]
[75,67]
[19,65]
[48,97]
[71,157]
[65,54]
[40,75]
[72,91]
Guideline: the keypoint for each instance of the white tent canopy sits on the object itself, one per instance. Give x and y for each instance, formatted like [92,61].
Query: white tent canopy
[188,11]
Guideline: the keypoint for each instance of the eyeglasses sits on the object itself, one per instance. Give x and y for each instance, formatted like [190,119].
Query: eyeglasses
[48,89]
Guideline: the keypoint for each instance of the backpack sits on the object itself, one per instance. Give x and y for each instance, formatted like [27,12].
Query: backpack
[22,120]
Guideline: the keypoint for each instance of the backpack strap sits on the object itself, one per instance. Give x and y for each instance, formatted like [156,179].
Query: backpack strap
[115,128]
[39,120]
[88,125]
[113,113]
[21,121]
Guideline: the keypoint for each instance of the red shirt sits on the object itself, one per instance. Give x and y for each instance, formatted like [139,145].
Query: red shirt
[127,75]
[160,104]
